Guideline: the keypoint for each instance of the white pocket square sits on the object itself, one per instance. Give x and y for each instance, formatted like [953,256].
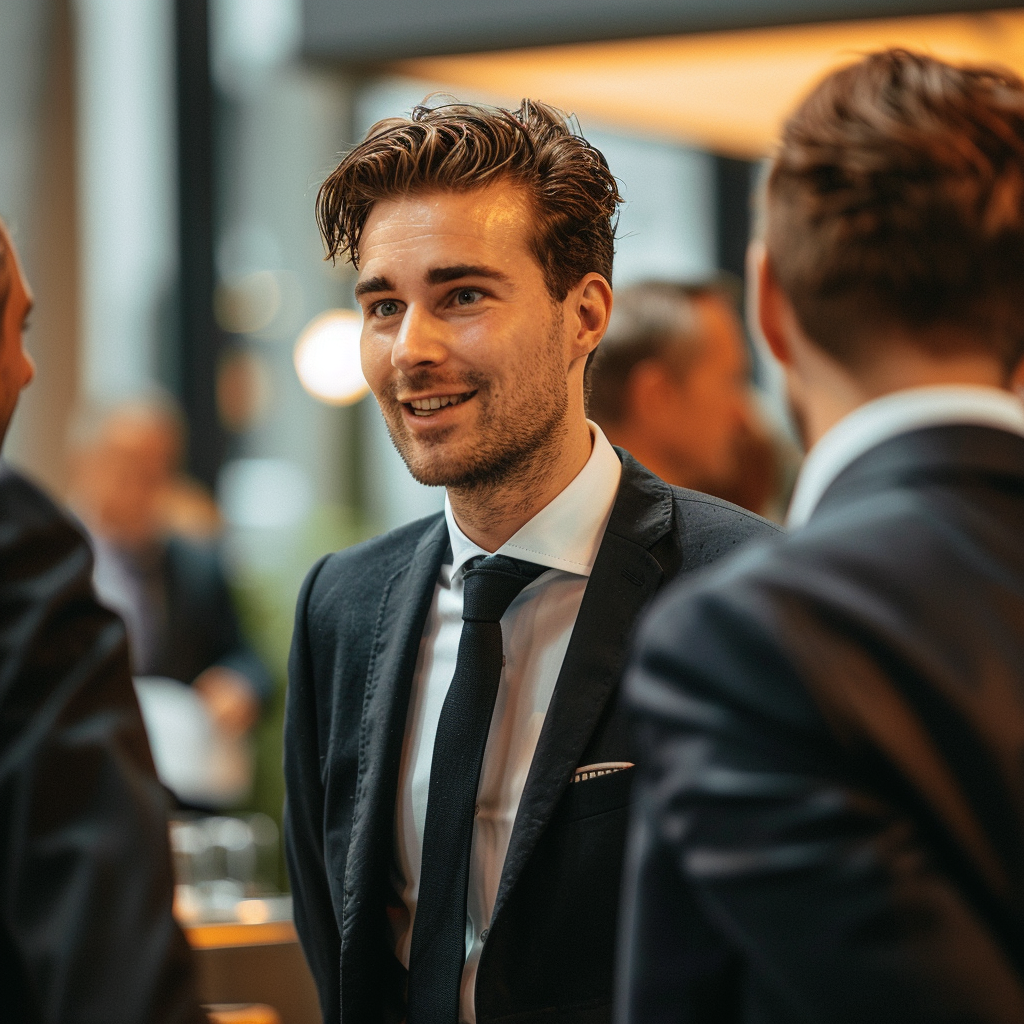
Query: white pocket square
[592,771]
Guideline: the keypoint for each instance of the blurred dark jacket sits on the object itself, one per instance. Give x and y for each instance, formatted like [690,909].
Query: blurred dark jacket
[830,816]
[86,930]
[180,613]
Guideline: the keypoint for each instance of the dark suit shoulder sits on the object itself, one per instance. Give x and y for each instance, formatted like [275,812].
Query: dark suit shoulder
[25,510]
[709,528]
[44,556]
[360,573]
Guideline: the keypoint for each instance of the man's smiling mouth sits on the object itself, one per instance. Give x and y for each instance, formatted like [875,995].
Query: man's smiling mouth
[428,406]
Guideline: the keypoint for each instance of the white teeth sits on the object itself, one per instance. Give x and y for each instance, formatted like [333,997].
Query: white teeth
[424,406]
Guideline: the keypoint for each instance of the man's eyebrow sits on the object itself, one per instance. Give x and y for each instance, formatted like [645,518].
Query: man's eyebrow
[374,284]
[442,275]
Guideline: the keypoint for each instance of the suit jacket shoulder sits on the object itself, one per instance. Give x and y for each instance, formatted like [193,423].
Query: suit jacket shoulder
[339,601]
[835,698]
[683,529]
[710,528]
[359,572]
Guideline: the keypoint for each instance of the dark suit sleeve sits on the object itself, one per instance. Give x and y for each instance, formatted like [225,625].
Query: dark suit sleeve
[87,933]
[819,891]
[304,817]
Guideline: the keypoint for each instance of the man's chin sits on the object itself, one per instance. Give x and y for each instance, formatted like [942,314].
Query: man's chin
[441,465]
[438,472]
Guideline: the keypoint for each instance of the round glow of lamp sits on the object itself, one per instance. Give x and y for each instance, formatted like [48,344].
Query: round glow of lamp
[327,358]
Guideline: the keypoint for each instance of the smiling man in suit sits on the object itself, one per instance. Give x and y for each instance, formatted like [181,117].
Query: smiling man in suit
[457,766]
[831,801]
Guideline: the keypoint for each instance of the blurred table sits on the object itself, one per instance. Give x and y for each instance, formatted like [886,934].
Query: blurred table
[255,963]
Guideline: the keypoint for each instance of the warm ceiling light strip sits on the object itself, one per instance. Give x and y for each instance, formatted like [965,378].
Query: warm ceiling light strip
[725,91]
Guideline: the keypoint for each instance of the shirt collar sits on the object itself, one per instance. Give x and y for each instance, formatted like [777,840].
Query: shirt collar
[886,417]
[568,531]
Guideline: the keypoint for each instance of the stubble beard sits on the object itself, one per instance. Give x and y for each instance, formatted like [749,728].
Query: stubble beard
[517,437]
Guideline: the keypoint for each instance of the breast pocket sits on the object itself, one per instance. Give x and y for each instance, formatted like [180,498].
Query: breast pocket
[597,795]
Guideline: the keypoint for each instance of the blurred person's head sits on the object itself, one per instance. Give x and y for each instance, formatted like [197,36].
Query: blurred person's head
[671,382]
[894,233]
[125,459]
[16,367]
[483,240]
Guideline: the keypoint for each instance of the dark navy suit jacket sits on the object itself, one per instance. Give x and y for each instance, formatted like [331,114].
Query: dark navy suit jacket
[830,798]
[549,955]
[86,932]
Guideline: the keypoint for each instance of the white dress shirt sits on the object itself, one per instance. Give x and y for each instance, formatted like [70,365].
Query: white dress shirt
[886,417]
[564,535]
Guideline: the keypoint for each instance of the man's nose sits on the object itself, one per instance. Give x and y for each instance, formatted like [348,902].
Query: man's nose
[420,341]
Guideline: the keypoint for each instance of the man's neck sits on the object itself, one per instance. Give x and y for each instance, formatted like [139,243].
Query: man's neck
[825,392]
[490,515]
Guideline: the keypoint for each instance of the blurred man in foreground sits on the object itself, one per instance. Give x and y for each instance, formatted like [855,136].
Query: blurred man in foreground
[169,589]
[671,385]
[86,932]
[832,802]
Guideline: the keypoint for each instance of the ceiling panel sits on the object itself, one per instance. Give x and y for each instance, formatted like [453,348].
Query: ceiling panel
[727,91]
[354,31]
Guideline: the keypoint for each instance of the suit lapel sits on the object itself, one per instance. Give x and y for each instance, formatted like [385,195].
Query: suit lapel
[399,628]
[624,578]
[927,454]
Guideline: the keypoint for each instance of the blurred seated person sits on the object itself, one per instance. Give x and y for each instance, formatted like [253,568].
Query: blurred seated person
[86,929]
[671,385]
[169,588]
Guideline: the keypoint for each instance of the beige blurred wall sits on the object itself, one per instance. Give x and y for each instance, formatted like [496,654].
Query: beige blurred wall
[46,234]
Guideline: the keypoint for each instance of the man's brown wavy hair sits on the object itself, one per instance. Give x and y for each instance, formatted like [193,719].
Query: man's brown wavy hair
[896,203]
[457,147]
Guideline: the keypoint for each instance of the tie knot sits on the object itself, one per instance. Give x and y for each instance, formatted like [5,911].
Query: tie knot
[492,584]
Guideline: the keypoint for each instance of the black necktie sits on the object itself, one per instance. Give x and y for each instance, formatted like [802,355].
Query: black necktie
[438,951]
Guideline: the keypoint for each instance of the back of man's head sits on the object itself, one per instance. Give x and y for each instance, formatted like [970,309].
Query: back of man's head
[459,147]
[895,205]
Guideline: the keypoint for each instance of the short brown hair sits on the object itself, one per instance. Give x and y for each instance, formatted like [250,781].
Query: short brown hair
[896,200]
[457,147]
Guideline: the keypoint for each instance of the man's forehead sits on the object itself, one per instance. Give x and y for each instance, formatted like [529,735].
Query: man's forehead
[428,234]
[477,215]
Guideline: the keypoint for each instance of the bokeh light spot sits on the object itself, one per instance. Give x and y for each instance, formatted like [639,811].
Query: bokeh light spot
[327,358]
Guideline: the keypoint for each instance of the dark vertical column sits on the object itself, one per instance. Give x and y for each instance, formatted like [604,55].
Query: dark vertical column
[200,340]
[734,180]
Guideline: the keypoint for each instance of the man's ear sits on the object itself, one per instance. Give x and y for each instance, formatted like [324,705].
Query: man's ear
[773,309]
[592,306]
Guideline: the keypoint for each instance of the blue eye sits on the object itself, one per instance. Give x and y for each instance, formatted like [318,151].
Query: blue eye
[387,308]
[467,296]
